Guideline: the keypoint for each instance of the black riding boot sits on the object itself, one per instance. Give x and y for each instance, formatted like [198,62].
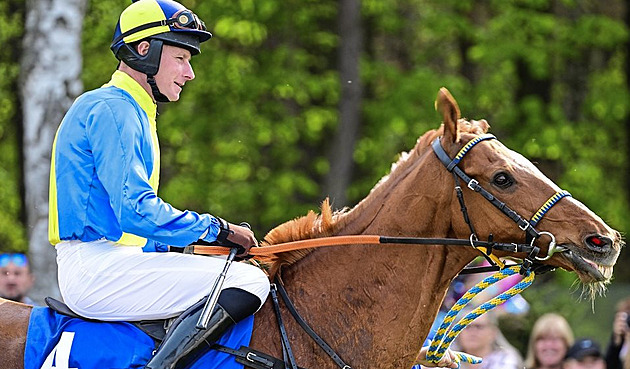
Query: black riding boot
[185,337]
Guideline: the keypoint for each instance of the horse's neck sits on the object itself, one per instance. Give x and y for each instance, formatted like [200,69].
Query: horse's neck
[388,293]
[414,202]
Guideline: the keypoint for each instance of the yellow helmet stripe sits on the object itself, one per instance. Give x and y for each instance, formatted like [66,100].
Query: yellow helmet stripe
[143,12]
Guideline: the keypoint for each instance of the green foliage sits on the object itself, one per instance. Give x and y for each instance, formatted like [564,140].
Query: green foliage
[249,139]
[12,235]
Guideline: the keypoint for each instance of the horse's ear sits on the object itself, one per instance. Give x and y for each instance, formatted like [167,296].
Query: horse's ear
[446,105]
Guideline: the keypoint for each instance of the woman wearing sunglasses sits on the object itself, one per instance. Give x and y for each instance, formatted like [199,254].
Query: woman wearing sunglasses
[104,206]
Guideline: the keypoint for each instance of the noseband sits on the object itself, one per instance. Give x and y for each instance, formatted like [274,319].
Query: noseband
[527,226]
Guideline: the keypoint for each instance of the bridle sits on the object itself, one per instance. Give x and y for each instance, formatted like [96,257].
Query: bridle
[527,226]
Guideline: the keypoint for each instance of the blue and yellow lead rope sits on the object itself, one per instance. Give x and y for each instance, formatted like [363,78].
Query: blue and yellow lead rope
[438,346]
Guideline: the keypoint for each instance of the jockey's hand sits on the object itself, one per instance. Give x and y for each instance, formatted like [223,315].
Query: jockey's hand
[243,237]
[449,360]
[232,235]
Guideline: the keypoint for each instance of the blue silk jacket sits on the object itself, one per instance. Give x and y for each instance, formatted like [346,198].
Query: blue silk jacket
[105,172]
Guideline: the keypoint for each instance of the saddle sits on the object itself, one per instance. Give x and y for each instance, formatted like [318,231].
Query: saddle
[156,329]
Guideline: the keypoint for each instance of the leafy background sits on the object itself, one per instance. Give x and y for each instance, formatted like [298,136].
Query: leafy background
[249,140]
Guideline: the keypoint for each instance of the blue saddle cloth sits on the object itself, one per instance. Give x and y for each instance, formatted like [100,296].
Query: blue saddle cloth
[56,341]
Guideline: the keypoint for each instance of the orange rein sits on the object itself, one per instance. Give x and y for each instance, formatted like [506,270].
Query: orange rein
[291,246]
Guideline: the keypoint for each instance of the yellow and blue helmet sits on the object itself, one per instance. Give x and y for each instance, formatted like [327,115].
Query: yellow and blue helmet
[159,22]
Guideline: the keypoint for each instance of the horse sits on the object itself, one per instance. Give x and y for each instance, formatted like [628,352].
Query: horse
[374,304]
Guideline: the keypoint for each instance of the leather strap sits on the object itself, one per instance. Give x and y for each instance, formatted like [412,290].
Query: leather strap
[289,358]
[320,341]
[252,358]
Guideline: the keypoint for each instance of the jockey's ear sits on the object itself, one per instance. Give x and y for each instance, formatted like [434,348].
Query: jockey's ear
[446,105]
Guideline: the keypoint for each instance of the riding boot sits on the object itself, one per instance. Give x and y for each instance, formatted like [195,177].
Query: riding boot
[184,336]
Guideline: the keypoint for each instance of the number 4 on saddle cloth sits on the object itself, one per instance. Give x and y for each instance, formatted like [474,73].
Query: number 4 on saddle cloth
[56,341]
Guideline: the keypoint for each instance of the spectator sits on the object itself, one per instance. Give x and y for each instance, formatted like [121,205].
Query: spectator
[16,278]
[618,351]
[549,342]
[484,339]
[584,354]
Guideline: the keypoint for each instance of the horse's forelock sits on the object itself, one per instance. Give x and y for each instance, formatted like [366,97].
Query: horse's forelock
[475,127]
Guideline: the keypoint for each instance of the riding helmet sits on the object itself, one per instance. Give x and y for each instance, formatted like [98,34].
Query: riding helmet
[159,22]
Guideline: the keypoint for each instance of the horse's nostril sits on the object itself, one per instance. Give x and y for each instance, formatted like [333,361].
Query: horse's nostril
[598,242]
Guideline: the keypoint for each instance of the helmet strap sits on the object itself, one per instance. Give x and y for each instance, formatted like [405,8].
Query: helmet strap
[148,63]
[157,95]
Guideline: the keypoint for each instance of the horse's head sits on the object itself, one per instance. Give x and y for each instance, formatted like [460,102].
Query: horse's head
[588,246]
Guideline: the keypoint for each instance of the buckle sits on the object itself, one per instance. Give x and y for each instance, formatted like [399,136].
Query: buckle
[524,227]
[473,184]
[258,360]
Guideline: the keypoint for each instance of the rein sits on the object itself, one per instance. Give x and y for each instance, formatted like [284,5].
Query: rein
[365,240]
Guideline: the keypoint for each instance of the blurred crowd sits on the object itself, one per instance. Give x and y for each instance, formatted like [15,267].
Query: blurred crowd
[551,343]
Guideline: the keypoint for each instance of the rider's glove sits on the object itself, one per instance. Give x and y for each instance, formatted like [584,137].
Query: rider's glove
[232,235]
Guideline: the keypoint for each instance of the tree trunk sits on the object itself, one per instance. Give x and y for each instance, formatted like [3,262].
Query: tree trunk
[341,154]
[51,72]
[624,256]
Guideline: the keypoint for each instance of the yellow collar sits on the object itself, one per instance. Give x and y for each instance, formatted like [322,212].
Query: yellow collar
[123,81]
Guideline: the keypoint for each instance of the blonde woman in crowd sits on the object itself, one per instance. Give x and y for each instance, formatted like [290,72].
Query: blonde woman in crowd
[549,342]
[484,339]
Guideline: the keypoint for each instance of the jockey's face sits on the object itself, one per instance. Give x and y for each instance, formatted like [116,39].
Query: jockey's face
[175,70]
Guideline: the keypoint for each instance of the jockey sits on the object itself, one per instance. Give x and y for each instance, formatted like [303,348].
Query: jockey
[104,206]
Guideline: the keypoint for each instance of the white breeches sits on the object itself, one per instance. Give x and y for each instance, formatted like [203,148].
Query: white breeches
[107,281]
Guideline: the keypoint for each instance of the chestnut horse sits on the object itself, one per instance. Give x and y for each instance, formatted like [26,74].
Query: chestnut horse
[375,304]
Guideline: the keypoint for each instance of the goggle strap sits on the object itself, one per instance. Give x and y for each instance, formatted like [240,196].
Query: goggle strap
[141,27]
[199,25]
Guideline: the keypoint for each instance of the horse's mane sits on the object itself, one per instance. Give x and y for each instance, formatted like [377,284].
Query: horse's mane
[327,223]
[311,225]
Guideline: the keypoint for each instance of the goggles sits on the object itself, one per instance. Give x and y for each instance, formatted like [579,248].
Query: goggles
[19,259]
[185,19]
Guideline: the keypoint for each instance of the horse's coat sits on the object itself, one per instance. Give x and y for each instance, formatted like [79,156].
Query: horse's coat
[375,304]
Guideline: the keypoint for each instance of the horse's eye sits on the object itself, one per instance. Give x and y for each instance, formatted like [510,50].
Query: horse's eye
[502,180]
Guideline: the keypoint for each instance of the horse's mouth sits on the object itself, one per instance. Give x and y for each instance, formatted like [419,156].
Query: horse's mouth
[588,271]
